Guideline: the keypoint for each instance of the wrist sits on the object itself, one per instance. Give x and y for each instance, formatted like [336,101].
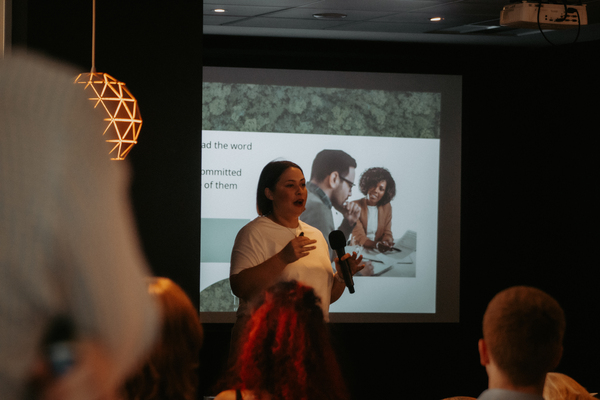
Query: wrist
[281,261]
[338,277]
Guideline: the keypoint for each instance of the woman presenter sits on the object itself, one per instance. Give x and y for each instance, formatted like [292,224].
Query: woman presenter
[276,246]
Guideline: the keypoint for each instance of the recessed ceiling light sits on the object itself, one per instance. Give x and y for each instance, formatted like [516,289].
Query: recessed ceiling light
[219,10]
[329,15]
[436,19]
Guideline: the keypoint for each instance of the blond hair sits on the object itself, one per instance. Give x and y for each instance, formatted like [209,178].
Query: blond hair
[562,387]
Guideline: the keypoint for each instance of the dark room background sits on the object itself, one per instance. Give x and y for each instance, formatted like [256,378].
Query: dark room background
[529,174]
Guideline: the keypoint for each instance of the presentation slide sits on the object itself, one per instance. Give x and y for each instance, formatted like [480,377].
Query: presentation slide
[252,117]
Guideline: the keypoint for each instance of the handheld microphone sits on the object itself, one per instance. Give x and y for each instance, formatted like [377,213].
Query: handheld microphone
[337,241]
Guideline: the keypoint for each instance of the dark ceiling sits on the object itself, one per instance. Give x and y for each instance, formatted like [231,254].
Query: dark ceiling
[463,21]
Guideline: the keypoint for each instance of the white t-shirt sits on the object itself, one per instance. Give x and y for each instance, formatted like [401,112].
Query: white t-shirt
[262,238]
[372,222]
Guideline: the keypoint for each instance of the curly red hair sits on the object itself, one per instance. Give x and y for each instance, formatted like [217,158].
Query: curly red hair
[287,352]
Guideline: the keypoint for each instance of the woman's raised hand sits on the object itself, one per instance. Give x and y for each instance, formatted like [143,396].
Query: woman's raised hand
[297,248]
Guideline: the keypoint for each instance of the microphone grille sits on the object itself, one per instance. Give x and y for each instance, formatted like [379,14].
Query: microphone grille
[337,239]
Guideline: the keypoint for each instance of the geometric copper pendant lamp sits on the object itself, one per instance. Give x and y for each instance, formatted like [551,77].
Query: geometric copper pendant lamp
[123,120]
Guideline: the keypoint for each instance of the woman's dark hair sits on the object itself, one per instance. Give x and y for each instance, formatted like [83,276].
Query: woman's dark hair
[268,179]
[287,351]
[171,369]
[371,177]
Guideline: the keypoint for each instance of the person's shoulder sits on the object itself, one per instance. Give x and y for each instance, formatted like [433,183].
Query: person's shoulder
[313,198]
[258,228]
[38,63]
[256,223]
[247,230]
[386,207]
[246,395]
[226,395]
[315,205]
[505,394]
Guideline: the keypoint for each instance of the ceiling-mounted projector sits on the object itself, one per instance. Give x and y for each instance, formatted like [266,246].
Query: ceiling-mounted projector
[543,15]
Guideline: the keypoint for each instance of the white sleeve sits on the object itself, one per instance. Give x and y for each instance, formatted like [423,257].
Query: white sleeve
[247,250]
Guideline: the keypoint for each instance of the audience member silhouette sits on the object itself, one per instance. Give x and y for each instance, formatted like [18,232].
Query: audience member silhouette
[287,354]
[68,247]
[562,387]
[170,372]
[460,398]
[523,331]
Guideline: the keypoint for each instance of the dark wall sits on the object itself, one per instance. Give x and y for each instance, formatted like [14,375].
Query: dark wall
[528,182]
[155,49]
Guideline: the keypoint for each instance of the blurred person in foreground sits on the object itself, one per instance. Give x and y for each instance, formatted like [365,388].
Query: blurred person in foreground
[523,329]
[287,354]
[68,247]
[171,370]
[562,387]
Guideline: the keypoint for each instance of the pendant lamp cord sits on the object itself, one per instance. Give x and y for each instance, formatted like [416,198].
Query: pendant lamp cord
[93,36]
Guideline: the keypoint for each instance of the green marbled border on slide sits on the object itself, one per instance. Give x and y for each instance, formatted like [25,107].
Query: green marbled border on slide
[325,111]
